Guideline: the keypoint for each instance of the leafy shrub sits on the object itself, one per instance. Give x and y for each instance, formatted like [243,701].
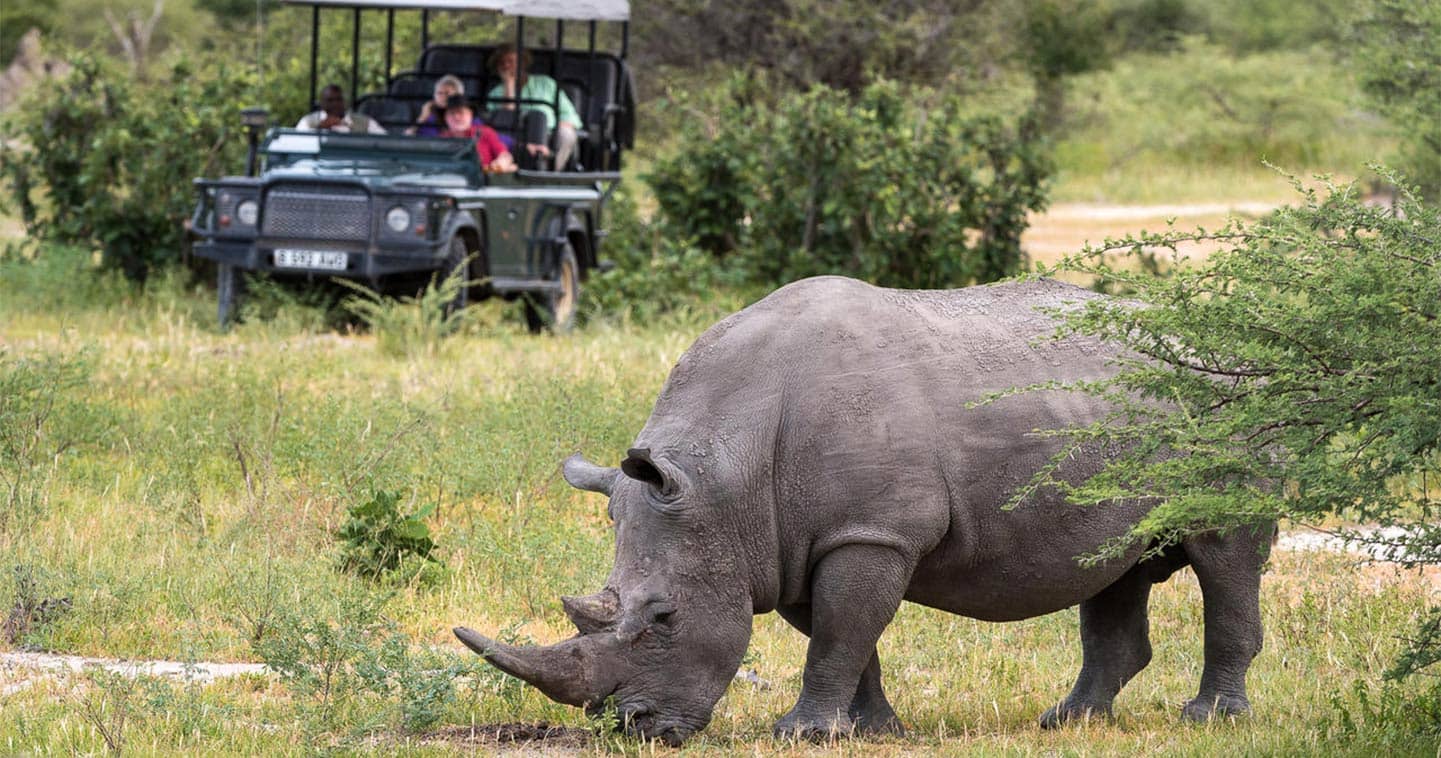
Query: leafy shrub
[107,161]
[378,537]
[1277,358]
[896,187]
[1393,716]
[30,610]
[1302,353]
[421,683]
[353,655]
[39,421]
[656,273]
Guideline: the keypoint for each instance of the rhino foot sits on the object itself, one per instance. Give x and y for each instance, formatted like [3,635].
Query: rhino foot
[1064,713]
[877,721]
[795,726]
[1214,707]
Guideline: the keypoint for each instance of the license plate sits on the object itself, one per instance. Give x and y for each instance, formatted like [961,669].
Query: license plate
[328,260]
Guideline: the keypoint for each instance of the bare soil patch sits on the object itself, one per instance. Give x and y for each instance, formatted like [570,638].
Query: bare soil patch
[530,737]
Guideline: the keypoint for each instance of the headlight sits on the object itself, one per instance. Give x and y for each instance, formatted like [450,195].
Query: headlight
[398,219]
[248,212]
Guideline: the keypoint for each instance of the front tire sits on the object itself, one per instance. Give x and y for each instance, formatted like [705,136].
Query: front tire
[457,263]
[555,309]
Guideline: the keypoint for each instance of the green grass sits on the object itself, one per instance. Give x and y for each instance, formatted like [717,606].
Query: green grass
[203,474]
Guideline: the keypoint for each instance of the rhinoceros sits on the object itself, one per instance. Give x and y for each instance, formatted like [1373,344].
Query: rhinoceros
[820,454]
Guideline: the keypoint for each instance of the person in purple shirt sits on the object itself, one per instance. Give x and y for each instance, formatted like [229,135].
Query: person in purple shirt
[428,123]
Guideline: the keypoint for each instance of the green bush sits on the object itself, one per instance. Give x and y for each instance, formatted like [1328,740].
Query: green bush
[355,669]
[1390,714]
[897,187]
[378,537]
[103,160]
[656,272]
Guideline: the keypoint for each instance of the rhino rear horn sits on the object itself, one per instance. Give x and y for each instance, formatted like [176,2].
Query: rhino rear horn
[592,613]
[584,475]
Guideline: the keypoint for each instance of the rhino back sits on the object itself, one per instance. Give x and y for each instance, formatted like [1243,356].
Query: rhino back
[842,410]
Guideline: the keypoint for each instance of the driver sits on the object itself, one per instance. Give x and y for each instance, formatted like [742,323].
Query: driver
[334,117]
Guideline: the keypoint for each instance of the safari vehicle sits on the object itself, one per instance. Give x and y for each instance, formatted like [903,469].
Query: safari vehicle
[396,212]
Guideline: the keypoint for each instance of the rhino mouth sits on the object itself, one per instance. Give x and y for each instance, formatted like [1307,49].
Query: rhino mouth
[640,722]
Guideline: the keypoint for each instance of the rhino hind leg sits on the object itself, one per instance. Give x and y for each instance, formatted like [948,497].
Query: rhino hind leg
[870,711]
[1115,646]
[855,591]
[1228,568]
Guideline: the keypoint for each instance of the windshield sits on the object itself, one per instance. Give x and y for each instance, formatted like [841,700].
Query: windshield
[428,159]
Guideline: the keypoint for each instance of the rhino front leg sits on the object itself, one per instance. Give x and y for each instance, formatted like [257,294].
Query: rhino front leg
[855,591]
[1115,646]
[1228,568]
[870,711]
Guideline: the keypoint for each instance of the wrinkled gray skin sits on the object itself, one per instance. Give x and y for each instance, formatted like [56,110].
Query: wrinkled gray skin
[814,455]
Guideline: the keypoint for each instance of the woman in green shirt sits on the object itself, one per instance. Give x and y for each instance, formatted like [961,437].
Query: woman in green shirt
[515,84]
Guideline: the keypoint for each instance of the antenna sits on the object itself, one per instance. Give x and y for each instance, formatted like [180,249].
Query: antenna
[259,37]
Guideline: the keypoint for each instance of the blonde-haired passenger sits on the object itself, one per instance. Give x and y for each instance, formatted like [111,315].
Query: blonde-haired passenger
[428,123]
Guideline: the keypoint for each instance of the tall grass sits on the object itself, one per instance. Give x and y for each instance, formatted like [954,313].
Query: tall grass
[411,325]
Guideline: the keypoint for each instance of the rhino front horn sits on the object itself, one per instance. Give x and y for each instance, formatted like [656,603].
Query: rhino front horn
[565,672]
[592,613]
[584,475]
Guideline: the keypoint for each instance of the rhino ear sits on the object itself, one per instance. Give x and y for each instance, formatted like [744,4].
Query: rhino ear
[584,475]
[659,473]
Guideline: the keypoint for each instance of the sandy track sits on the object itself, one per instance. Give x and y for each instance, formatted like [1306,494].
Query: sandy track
[1067,227]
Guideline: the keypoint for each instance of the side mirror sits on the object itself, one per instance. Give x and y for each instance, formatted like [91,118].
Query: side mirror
[255,118]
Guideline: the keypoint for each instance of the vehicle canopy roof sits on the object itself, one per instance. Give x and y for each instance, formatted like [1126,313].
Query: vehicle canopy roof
[567,10]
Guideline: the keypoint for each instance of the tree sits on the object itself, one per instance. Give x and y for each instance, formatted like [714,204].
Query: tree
[98,158]
[18,17]
[843,45]
[1398,47]
[1294,374]
[1057,39]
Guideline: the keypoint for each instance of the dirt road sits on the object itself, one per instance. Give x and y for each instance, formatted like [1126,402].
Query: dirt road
[1066,228]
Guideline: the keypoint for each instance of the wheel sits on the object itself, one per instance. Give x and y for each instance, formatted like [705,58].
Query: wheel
[227,294]
[555,309]
[457,260]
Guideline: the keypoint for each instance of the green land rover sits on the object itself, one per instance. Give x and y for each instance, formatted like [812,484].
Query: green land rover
[396,211]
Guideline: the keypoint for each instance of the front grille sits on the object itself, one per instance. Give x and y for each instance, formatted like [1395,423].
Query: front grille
[317,212]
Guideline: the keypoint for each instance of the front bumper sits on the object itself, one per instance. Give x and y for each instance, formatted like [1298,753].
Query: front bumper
[362,262]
